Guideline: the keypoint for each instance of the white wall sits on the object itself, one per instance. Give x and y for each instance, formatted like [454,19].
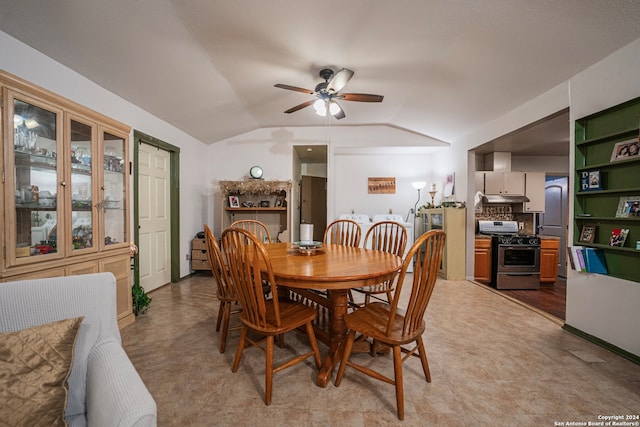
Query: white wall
[351,183]
[548,103]
[603,306]
[29,64]
[552,165]
[354,154]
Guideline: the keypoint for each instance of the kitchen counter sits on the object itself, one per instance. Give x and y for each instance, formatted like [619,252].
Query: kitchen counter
[482,237]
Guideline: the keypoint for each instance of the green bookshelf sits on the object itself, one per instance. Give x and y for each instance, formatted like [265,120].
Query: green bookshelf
[596,137]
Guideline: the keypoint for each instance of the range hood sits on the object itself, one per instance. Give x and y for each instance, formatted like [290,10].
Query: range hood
[500,162]
[500,198]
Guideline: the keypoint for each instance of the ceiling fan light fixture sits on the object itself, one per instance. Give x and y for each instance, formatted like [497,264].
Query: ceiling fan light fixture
[334,108]
[321,107]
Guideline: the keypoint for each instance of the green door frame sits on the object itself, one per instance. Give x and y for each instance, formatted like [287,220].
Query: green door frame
[174,200]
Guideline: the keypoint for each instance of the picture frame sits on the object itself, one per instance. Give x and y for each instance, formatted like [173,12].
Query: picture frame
[628,207]
[625,150]
[265,203]
[386,185]
[590,180]
[588,233]
[234,202]
[618,237]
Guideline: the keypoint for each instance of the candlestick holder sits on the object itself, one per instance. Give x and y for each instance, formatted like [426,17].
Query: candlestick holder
[433,196]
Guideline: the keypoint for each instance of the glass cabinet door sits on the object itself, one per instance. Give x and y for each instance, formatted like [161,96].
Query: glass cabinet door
[114,189]
[35,208]
[82,144]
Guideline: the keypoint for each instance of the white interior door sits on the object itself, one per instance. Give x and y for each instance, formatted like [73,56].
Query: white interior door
[553,222]
[154,216]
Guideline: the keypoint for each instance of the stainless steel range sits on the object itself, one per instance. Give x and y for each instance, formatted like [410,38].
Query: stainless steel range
[515,258]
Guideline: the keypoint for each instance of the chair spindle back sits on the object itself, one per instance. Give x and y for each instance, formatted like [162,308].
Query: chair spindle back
[344,232]
[427,252]
[245,257]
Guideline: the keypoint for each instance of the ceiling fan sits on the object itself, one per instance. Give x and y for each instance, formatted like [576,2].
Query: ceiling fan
[328,92]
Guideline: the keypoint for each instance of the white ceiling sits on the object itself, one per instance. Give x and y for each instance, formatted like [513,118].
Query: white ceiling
[208,66]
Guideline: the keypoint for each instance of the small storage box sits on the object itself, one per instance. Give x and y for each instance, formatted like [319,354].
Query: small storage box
[198,244]
[200,264]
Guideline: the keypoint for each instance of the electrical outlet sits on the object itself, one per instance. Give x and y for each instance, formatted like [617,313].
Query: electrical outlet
[521,226]
[186,257]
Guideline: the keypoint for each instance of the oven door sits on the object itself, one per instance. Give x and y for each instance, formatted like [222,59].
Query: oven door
[518,267]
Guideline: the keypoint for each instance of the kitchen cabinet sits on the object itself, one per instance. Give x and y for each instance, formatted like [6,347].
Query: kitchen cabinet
[65,190]
[504,183]
[482,260]
[534,184]
[262,200]
[549,255]
[453,222]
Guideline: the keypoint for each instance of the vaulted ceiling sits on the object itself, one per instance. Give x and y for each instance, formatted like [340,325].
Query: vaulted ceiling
[209,66]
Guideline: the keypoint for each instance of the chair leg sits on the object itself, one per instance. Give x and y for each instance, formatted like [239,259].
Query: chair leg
[389,297]
[268,385]
[397,370]
[241,343]
[423,359]
[345,356]
[220,310]
[225,326]
[314,345]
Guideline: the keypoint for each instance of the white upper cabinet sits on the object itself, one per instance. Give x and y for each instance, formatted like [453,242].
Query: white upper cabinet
[534,190]
[504,183]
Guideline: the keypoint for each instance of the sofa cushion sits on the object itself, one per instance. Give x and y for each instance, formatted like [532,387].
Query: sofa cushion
[34,366]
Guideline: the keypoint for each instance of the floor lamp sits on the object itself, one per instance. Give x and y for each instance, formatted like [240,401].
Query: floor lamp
[419,185]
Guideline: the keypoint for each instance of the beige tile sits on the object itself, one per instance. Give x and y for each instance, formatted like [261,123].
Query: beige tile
[493,362]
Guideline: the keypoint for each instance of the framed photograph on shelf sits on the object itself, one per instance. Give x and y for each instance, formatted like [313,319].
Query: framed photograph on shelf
[628,207]
[618,236]
[625,150]
[234,202]
[588,233]
[590,180]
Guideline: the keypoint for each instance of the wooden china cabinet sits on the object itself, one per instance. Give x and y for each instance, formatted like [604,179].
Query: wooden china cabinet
[65,190]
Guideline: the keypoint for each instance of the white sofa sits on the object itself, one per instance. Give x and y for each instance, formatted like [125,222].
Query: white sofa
[104,387]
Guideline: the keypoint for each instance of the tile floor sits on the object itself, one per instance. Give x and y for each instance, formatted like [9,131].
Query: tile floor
[493,362]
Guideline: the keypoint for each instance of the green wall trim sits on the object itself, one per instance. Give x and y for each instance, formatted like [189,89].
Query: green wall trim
[606,345]
[174,200]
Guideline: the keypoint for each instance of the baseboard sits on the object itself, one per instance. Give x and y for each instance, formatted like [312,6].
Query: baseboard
[606,345]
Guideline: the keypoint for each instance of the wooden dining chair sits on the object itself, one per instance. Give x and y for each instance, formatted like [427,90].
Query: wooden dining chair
[395,327]
[255,227]
[345,232]
[226,293]
[386,236]
[248,262]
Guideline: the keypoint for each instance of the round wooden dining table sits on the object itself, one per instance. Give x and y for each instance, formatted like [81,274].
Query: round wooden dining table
[336,269]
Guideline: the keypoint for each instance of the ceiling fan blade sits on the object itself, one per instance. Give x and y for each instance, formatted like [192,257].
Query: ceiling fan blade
[300,106]
[340,113]
[339,80]
[297,89]
[361,97]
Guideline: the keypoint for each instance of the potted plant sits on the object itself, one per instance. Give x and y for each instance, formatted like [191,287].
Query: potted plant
[140,300]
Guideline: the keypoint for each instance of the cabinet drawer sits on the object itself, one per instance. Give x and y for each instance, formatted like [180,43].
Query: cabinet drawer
[199,254]
[200,264]
[198,244]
